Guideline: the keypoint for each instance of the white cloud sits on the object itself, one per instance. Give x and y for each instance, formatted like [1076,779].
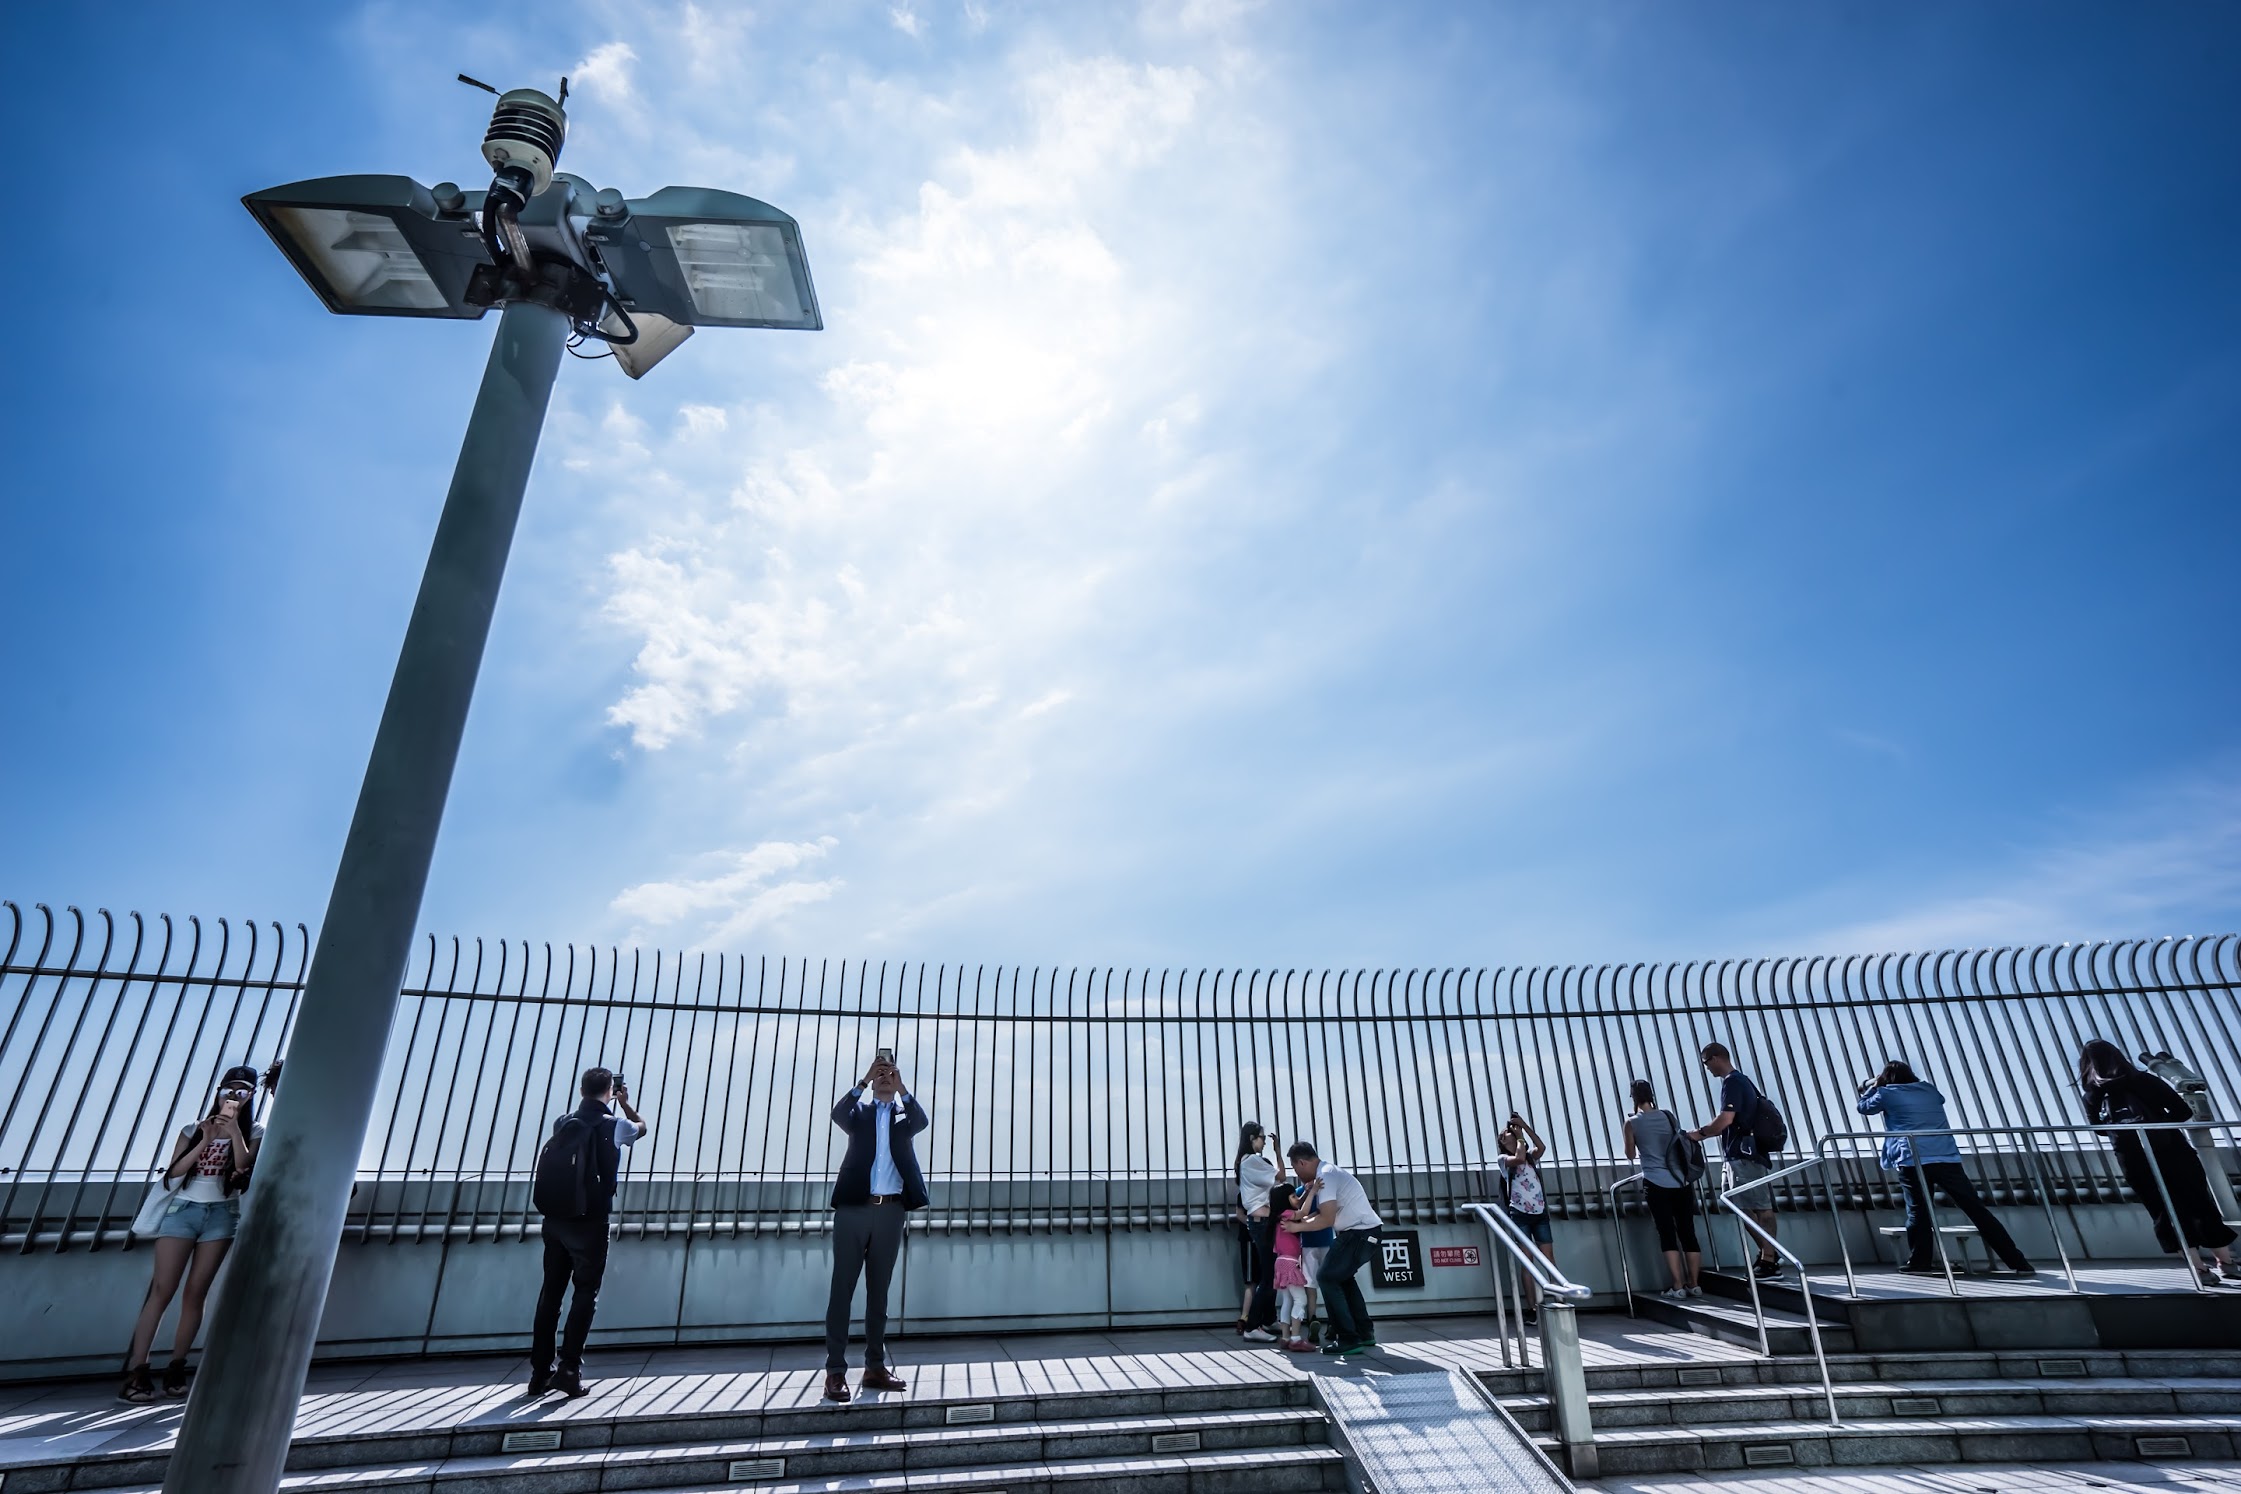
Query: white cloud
[2167,862]
[738,896]
[905,20]
[606,75]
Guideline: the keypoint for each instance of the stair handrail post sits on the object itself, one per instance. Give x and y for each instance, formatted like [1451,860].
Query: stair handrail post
[2187,1257]
[1564,1376]
[1618,1236]
[2046,1202]
[1805,1283]
[1822,1155]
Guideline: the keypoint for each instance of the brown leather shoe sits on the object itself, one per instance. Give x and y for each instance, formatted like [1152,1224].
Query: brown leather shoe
[836,1386]
[879,1379]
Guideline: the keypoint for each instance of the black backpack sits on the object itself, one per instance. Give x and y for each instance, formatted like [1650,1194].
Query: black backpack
[1684,1154]
[567,1170]
[1768,1128]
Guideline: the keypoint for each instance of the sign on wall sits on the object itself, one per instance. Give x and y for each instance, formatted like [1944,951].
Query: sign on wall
[1398,1258]
[1455,1255]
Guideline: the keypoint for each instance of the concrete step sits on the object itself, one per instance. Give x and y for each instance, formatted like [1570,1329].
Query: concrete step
[1974,1439]
[1740,1405]
[1257,1470]
[891,1438]
[1734,1323]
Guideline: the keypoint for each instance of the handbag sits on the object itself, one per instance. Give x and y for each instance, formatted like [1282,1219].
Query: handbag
[157,1204]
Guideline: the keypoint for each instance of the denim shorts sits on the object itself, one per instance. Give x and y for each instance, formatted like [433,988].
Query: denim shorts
[1536,1227]
[188,1220]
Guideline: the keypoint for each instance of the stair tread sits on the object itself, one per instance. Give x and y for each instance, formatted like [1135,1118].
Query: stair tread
[945,1478]
[900,1480]
[2066,1384]
[819,1442]
[1778,1431]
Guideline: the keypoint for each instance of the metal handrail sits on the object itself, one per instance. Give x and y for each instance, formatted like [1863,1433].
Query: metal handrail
[1750,1274]
[1563,1370]
[1823,1152]
[1618,1236]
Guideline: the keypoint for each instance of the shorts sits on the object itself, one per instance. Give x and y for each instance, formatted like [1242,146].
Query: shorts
[186,1219]
[1311,1262]
[1536,1226]
[1741,1170]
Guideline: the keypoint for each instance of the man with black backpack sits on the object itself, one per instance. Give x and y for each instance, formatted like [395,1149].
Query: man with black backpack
[575,1191]
[1751,1131]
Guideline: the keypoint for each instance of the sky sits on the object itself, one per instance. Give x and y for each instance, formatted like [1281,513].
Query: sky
[1304,482]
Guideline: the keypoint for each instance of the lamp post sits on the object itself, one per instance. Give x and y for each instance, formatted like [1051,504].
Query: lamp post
[564,263]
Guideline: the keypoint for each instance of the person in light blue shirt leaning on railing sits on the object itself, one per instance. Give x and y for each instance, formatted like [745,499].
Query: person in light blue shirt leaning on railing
[1908,1102]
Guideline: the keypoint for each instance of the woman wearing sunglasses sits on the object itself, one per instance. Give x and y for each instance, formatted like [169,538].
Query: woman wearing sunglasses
[209,1169]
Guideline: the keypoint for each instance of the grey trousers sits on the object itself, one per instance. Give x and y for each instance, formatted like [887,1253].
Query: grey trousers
[867,1238]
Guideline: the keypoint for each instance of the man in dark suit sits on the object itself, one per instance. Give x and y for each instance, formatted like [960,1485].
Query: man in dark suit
[878,1183]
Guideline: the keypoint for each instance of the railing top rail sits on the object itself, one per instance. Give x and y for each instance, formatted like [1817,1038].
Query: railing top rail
[1540,1267]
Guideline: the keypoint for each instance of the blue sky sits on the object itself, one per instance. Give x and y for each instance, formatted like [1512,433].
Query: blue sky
[1298,482]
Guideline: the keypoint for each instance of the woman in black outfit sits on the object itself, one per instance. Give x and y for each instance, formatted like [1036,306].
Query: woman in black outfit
[2118,1094]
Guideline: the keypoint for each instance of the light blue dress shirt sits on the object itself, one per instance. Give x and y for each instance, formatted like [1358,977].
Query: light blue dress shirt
[886,1181]
[1911,1107]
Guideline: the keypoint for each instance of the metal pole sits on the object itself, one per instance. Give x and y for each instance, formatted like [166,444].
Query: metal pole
[234,1439]
[1565,1376]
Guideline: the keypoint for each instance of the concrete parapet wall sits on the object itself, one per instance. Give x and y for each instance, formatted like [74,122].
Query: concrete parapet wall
[71,1312]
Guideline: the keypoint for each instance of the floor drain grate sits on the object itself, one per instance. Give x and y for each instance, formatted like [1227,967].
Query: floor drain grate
[748,1470]
[530,1441]
[1769,1455]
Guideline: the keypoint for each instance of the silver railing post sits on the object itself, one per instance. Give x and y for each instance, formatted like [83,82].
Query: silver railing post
[2046,1202]
[1804,1281]
[1564,1373]
[2187,1256]
[1618,1238]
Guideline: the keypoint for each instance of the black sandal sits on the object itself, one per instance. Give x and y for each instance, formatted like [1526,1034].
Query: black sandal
[175,1378]
[139,1387]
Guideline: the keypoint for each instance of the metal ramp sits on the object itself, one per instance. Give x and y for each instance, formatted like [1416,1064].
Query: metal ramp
[1432,1433]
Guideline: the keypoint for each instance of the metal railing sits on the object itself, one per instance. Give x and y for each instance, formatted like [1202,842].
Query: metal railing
[1064,1099]
[1758,1304]
[1563,1367]
[1697,1191]
[1832,1150]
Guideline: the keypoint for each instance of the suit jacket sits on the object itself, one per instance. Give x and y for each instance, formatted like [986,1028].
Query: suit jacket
[861,1122]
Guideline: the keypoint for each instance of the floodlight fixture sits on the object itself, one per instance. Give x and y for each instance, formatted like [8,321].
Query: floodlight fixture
[568,265]
[628,272]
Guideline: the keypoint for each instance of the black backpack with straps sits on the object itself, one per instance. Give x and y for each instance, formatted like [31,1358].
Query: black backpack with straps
[567,1170]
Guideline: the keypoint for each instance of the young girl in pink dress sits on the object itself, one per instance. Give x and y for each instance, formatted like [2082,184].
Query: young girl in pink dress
[1291,1283]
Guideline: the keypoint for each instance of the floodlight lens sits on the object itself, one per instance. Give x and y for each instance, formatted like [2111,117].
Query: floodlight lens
[738,272]
[363,257]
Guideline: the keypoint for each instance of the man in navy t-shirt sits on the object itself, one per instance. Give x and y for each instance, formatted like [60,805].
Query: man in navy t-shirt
[1736,1126]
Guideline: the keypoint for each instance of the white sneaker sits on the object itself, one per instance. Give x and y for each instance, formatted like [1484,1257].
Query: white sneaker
[1696,1291]
[1675,1294]
[1260,1335]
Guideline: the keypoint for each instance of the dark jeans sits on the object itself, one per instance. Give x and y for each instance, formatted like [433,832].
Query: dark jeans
[1921,1247]
[867,1238]
[1342,1295]
[1673,1210]
[575,1253]
[1262,1232]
